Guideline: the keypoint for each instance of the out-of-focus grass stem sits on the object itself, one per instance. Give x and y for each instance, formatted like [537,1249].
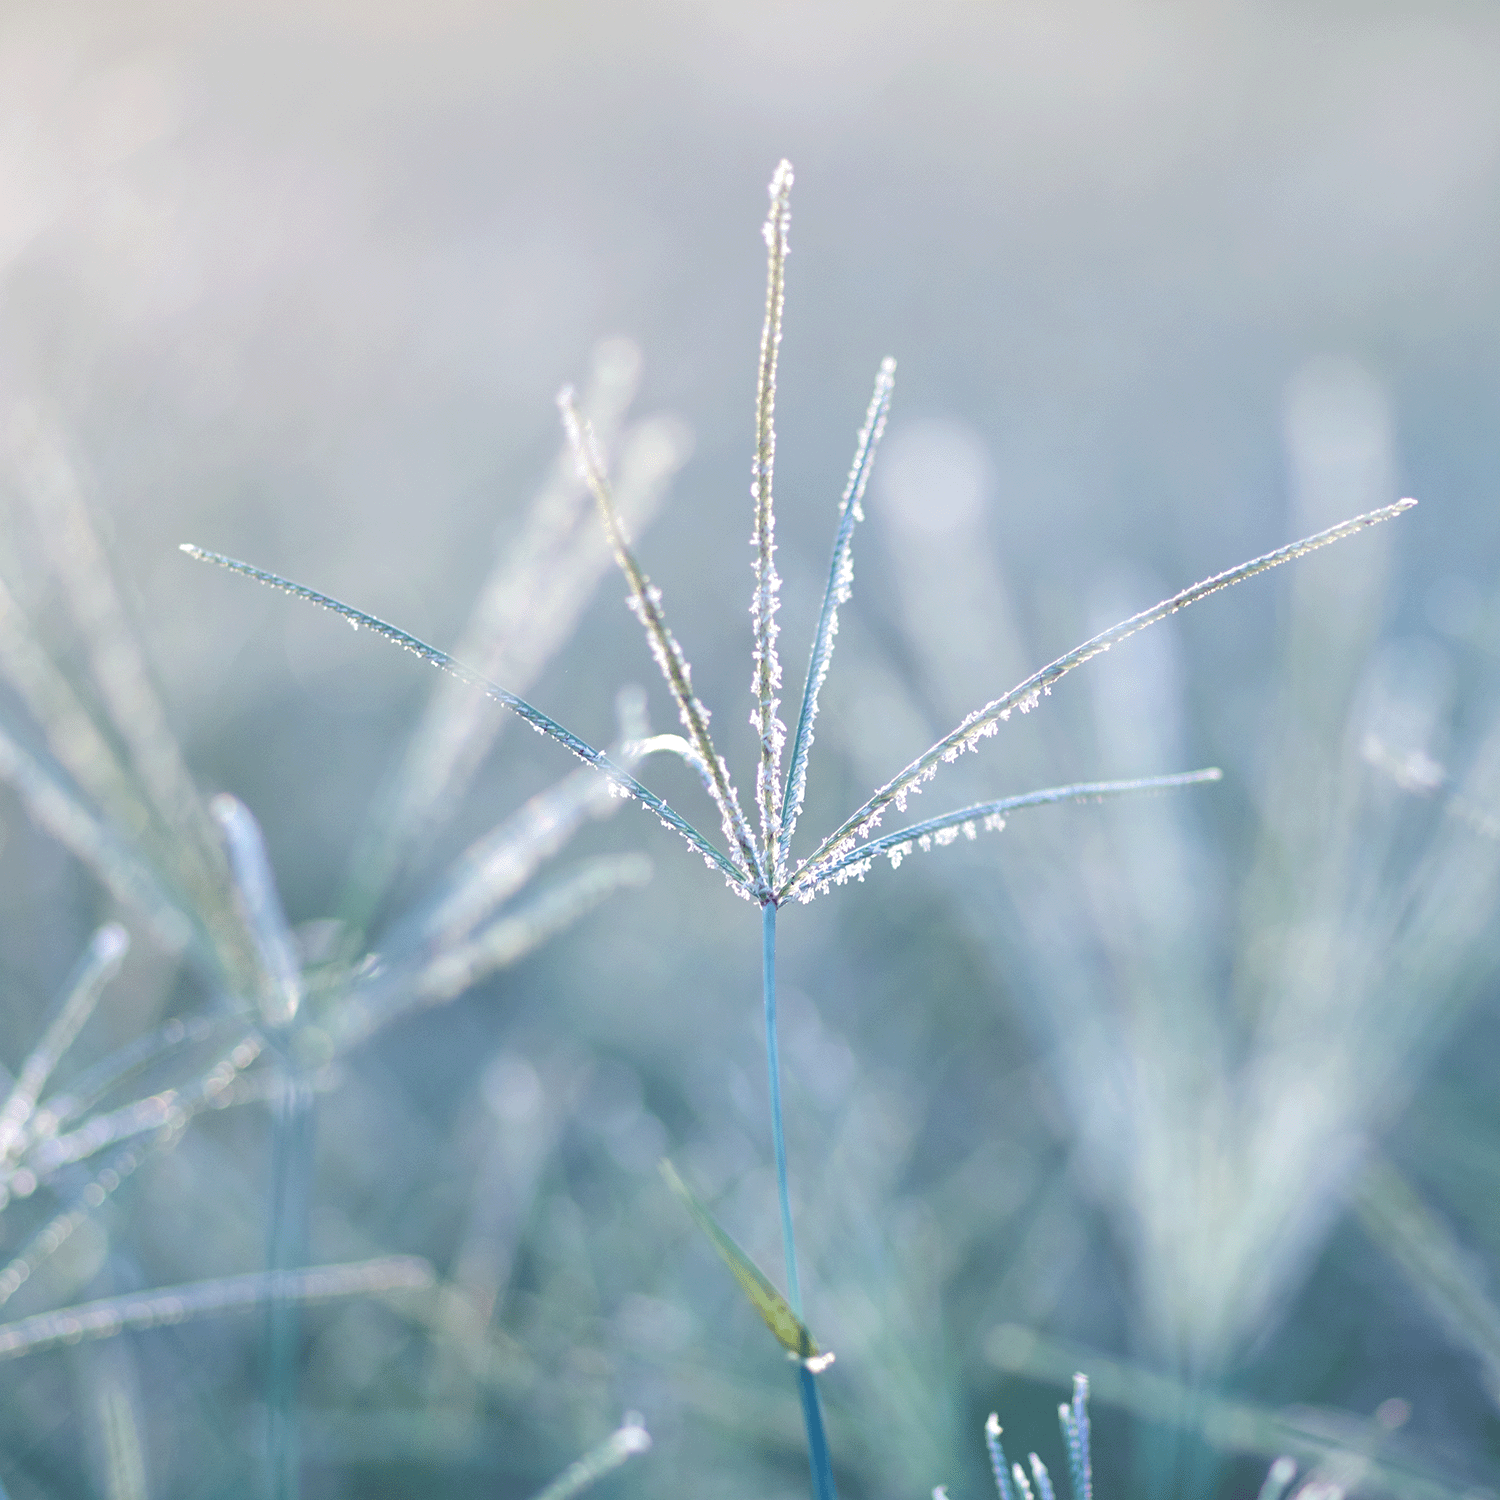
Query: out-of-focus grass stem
[292,1132]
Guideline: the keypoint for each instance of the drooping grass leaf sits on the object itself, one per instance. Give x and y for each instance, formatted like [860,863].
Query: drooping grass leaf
[791,1332]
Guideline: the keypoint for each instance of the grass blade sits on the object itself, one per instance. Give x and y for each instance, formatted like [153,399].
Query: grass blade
[170,1305]
[100,963]
[119,671]
[495,867]
[840,586]
[539,721]
[791,1332]
[56,809]
[260,905]
[1025,696]
[72,735]
[449,973]
[645,602]
[990,816]
[624,1442]
[766,681]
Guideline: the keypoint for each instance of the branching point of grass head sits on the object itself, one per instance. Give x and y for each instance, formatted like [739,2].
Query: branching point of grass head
[645,604]
[539,721]
[837,591]
[766,679]
[1026,695]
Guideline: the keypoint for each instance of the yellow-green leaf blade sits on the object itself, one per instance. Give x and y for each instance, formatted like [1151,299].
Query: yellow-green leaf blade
[790,1330]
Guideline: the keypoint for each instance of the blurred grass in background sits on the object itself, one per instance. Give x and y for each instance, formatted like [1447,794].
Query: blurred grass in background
[1200,1085]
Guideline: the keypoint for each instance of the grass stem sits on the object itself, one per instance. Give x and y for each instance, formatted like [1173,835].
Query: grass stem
[807,1384]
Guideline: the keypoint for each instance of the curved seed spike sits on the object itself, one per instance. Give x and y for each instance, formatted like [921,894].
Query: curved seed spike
[1025,696]
[766,682]
[1042,1477]
[645,601]
[533,716]
[813,879]
[840,586]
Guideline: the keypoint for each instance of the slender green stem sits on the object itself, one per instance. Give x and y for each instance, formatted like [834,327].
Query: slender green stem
[807,1384]
[778,1136]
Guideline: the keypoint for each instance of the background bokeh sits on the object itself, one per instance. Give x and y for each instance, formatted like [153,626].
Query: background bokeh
[1200,1088]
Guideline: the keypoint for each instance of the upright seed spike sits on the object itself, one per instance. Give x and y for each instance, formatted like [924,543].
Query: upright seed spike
[766,681]
[997,1458]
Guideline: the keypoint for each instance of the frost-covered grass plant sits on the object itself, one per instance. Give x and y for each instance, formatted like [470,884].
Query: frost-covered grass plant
[282,1011]
[756,856]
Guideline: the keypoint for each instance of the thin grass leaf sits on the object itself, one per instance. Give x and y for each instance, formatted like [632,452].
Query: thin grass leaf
[645,603]
[493,868]
[791,1332]
[119,1424]
[840,587]
[1025,696]
[123,680]
[54,808]
[389,994]
[766,680]
[998,1465]
[1440,1269]
[93,1083]
[513,936]
[179,1106]
[260,905]
[627,1440]
[968,821]
[539,721]
[168,1306]
[100,963]
[71,733]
